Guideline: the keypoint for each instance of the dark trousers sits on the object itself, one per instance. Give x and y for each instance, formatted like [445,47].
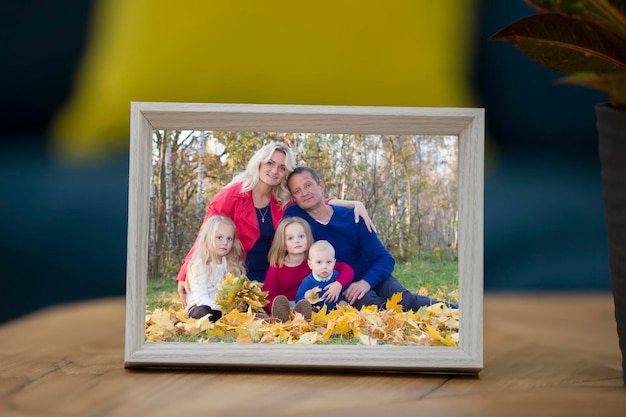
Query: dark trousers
[197,312]
[382,292]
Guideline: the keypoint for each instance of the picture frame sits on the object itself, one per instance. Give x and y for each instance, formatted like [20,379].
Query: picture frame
[465,123]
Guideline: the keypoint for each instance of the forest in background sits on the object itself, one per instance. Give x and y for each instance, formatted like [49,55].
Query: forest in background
[407,183]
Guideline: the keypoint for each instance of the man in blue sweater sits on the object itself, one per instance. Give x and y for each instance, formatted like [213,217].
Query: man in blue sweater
[353,243]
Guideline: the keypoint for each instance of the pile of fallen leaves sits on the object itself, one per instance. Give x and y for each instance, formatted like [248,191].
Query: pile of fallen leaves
[239,293]
[435,325]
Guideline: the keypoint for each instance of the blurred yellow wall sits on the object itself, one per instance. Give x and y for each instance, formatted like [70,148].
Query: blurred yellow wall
[339,52]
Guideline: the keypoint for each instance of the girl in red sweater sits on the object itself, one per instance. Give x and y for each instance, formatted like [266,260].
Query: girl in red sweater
[288,267]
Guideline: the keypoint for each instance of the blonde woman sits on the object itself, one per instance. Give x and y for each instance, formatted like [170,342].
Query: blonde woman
[218,252]
[256,200]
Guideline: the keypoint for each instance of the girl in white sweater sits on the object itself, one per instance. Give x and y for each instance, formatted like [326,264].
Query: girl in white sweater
[218,252]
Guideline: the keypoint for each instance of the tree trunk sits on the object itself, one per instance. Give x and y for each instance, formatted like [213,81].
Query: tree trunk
[169,197]
[200,190]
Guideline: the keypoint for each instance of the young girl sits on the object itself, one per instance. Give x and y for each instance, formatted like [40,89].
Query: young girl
[218,251]
[288,267]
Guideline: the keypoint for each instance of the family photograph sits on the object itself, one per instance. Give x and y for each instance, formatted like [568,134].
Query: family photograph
[272,237]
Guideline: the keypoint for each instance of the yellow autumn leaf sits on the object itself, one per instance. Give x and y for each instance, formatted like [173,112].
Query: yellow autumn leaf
[434,333]
[308,338]
[256,304]
[177,315]
[423,313]
[398,337]
[160,318]
[235,319]
[372,318]
[267,338]
[378,333]
[393,322]
[347,322]
[278,332]
[315,296]
[187,328]
[329,330]
[412,324]
[321,316]
[299,321]
[204,324]
[371,309]
[216,332]
[367,340]
[439,308]
[243,339]
[394,302]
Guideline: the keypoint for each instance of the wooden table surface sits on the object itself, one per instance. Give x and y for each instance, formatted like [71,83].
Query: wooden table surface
[550,354]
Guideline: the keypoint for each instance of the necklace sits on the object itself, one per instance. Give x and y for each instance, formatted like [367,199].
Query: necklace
[263,213]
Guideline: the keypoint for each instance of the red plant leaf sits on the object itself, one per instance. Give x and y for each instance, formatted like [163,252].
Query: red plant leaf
[566,45]
[607,13]
[614,84]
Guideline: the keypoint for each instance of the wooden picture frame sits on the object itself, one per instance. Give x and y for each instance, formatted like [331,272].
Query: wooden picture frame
[466,123]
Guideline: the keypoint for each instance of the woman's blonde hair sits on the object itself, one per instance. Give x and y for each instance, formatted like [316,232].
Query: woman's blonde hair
[205,253]
[278,250]
[250,177]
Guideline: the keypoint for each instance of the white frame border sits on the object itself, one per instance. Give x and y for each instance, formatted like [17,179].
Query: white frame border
[466,123]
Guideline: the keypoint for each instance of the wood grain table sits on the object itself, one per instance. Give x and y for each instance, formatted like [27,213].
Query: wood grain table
[545,354]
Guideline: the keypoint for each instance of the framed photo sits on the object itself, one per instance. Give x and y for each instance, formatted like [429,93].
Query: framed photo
[391,125]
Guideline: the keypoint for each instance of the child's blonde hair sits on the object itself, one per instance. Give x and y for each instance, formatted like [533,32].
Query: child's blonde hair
[278,250]
[205,254]
[250,177]
[322,245]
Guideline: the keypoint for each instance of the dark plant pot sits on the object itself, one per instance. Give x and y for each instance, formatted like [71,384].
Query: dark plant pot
[611,125]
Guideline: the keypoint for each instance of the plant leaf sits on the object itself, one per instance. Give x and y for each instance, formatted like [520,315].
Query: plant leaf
[566,45]
[614,83]
[609,14]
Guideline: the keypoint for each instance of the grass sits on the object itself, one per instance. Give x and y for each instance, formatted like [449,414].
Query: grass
[438,269]
[157,288]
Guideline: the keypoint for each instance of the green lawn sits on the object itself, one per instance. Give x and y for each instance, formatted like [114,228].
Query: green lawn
[438,270]
[157,288]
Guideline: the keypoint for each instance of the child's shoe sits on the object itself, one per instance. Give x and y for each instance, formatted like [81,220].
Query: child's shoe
[304,307]
[281,310]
